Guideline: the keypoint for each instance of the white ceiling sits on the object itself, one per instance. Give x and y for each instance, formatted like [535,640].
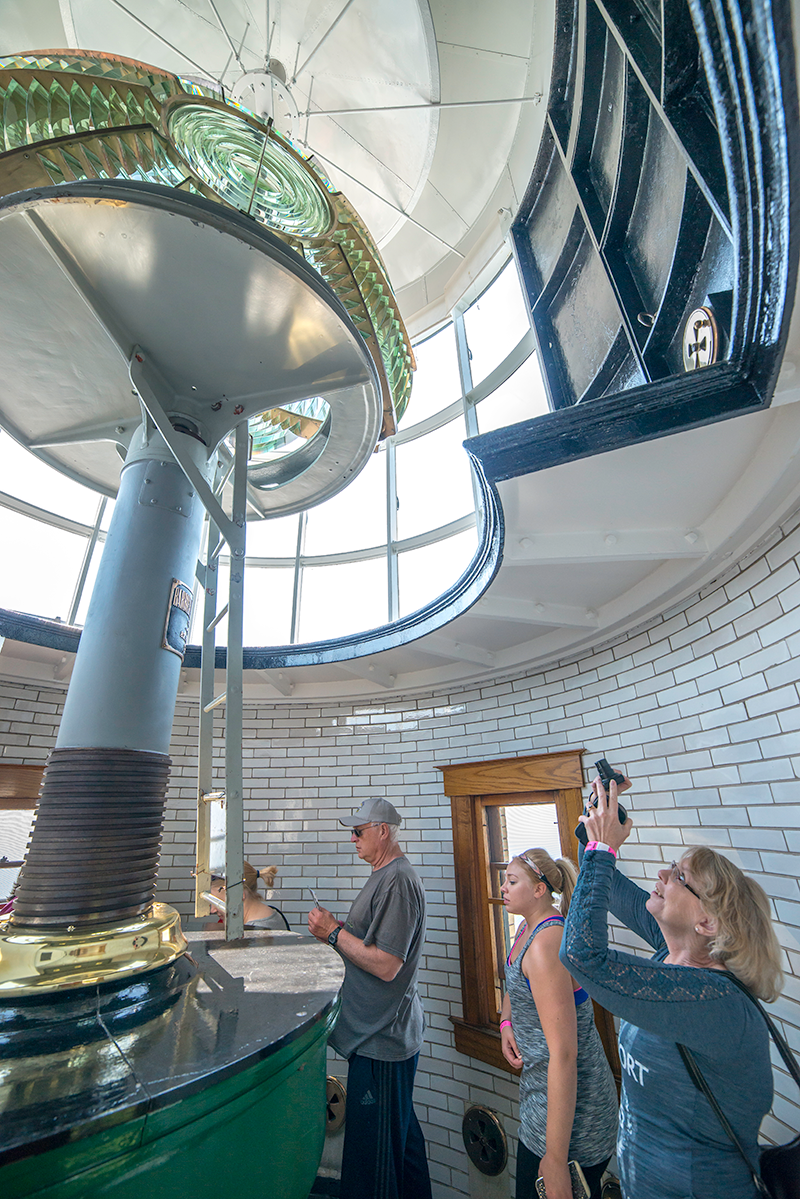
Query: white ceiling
[592,548]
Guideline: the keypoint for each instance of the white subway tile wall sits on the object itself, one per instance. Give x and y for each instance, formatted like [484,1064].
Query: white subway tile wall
[700,706]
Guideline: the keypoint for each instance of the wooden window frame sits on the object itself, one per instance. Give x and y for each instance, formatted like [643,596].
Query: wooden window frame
[473,788]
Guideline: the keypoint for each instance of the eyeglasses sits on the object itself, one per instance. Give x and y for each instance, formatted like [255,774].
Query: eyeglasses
[359,832]
[676,874]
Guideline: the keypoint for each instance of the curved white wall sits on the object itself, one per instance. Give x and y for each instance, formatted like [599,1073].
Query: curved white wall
[701,706]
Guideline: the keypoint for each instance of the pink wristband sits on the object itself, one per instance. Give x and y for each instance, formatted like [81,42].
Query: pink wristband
[601,845]
[505,1024]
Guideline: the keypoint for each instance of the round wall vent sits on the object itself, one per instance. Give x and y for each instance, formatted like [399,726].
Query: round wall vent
[484,1139]
[335,1097]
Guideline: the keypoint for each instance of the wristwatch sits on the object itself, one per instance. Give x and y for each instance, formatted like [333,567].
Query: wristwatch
[334,936]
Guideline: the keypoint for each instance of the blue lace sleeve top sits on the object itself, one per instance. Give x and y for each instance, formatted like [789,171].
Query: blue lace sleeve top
[670,1143]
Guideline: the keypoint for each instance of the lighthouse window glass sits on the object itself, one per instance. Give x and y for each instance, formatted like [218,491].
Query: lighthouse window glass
[427,572]
[275,538]
[347,597]
[437,382]
[520,397]
[495,323]
[355,518]
[434,480]
[268,596]
[26,477]
[45,563]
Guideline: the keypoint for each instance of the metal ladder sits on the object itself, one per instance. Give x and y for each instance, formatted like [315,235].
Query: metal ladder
[230,795]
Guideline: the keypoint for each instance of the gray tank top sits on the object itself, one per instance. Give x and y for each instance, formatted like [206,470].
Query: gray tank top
[594,1129]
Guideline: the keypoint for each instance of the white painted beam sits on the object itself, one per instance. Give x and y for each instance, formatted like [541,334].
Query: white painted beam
[604,545]
[278,680]
[444,647]
[362,669]
[565,616]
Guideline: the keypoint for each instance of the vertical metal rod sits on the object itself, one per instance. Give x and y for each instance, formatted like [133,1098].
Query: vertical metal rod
[205,746]
[298,578]
[87,560]
[258,168]
[391,529]
[321,42]
[310,90]
[465,374]
[234,784]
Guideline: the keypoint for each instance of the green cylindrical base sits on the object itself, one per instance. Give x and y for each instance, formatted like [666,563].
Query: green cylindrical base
[258,1133]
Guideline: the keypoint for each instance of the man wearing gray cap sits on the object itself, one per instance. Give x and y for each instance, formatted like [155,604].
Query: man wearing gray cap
[380,1025]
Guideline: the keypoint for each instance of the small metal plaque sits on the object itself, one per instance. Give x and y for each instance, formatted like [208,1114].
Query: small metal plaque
[179,617]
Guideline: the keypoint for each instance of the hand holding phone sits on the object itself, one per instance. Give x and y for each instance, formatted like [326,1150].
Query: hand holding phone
[313,894]
[607,776]
[580,1187]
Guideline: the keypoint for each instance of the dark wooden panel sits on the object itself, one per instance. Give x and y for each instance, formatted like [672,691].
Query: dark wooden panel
[19,785]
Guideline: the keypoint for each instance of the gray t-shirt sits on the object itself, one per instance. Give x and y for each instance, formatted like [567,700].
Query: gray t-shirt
[384,1020]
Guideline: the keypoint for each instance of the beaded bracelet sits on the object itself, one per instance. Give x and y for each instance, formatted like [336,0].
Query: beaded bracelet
[601,845]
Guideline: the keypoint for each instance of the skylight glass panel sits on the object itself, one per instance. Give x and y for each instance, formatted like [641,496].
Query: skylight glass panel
[521,397]
[26,477]
[436,380]
[344,598]
[41,566]
[495,323]
[427,572]
[434,480]
[355,518]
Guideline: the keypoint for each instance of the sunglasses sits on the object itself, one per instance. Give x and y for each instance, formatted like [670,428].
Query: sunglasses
[359,832]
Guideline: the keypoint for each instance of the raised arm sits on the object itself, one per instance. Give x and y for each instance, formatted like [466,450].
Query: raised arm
[700,1008]
[627,902]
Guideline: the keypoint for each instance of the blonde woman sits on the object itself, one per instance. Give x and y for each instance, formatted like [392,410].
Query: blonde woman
[703,918]
[257,913]
[568,1101]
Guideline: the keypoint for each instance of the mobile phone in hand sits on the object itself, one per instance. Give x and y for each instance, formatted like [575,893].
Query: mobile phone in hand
[607,776]
[580,1187]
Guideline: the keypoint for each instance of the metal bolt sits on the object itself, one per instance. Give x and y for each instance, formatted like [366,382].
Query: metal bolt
[120,429]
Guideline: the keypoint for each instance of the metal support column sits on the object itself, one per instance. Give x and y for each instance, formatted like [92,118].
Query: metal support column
[234,797]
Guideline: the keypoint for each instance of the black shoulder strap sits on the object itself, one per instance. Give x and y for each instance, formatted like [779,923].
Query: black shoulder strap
[775,1033]
[699,1081]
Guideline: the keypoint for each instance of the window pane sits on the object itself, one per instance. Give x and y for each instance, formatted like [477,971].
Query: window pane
[41,566]
[426,573]
[268,594]
[272,538]
[434,481]
[436,379]
[495,323]
[355,518]
[519,398]
[522,826]
[341,599]
[268,605]
[23,475]
[15,828]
